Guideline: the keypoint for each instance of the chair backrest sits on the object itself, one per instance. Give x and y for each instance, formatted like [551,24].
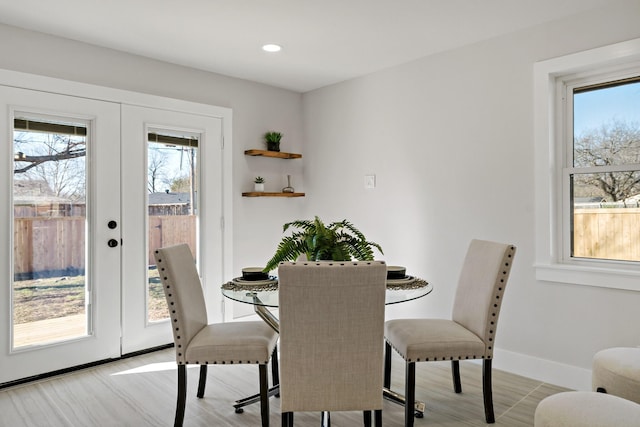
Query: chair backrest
[331,335]
[481,286]
[183,291]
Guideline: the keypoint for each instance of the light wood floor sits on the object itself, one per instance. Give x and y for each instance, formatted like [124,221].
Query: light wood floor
[141,391]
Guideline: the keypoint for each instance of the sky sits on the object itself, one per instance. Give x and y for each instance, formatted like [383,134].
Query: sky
[176,163]
[594,108]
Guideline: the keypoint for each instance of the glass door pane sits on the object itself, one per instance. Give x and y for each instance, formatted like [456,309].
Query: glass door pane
[172,160]
[49,292]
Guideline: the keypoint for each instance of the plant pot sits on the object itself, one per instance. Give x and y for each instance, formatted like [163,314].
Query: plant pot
[258,187]
[273,146]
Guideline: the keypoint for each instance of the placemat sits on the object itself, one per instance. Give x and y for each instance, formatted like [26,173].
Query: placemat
[409,282]
[238,284]
[272,285]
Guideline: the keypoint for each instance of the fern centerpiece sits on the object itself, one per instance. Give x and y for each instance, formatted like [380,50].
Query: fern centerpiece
[338,241]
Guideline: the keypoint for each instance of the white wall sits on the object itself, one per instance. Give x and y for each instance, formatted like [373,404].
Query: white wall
[257,222]
[450,140]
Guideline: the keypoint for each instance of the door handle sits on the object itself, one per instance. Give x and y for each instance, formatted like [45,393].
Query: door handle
[112,243]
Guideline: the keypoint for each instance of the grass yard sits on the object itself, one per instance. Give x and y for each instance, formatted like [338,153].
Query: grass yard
[49,298]
[42,299]
[157,303]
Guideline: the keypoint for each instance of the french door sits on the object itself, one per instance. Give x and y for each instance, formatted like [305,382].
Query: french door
[167,197]
[60,232]
[89,189]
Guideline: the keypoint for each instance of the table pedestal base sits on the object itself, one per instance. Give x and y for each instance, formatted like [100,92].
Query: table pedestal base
[394,397]
[273,391]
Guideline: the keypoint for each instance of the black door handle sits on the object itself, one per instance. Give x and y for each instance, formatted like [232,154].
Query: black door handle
[112,243]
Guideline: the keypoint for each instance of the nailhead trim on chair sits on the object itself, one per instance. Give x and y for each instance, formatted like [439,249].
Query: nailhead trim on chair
[224,362]
[333,262]
[496,306]
[171,303]
[435,359]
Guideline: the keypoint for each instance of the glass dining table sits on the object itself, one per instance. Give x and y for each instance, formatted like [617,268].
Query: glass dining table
[263,295]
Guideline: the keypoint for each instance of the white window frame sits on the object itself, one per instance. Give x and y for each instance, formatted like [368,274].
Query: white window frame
[551,79]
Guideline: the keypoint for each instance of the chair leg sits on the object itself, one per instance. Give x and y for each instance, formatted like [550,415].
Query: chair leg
[287,419]
[409,393]
[182,395]
[202,382]
[275,369]
[325,419]
[264,396]
[387,366]
[378,417]
[487,391]
[366,415]
[455,373]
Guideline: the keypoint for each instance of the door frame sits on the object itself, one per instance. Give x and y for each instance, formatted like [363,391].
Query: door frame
[211,278]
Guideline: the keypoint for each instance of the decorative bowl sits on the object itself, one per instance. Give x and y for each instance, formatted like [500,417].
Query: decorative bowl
[396,272]
[254,273]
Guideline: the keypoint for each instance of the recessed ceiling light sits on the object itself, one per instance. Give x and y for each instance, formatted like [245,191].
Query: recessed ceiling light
[271,48]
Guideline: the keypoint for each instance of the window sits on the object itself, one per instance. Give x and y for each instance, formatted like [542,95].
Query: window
[602,170]
[50,283]
[587,145]
[172,204]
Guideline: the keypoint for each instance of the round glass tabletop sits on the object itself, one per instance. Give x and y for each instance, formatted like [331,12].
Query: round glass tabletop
[268,296]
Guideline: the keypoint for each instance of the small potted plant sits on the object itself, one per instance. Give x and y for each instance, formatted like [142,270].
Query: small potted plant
[258,184]
[273,140]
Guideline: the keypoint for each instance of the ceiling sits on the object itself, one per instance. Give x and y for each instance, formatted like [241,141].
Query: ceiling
[324,41]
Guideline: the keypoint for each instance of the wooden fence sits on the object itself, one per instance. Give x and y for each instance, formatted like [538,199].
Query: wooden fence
[599,233]
[171,230]
[44,244]
[610,233]
[46,247]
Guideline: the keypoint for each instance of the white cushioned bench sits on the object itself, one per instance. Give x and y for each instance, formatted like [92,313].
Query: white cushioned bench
[586,409]
[616,371]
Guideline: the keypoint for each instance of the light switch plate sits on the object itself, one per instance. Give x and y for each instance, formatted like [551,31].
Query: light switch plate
[369,181]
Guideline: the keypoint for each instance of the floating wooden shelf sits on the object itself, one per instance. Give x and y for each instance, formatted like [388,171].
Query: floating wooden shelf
[277,154]
[267,194]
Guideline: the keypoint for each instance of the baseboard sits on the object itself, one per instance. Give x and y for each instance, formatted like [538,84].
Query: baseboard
[544,370]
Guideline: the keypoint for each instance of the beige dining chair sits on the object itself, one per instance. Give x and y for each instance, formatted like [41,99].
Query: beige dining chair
[331,337]
[469,334]
[200,343]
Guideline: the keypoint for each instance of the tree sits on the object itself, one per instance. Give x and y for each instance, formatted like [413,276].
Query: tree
[615,143]
[55,158]
[156,172]
[181,184]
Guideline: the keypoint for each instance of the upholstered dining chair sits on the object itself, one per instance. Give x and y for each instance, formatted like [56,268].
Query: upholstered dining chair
[469,334]
[331,337]
[200,343]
